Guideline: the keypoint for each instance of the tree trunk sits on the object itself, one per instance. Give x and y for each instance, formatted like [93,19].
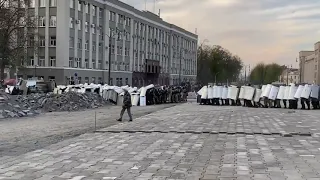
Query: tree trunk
[1,70]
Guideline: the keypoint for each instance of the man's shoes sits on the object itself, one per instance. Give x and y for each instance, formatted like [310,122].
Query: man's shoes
[119,120]
[130,120]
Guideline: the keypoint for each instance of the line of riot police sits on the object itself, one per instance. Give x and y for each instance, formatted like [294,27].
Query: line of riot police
[166,94]
[266,96]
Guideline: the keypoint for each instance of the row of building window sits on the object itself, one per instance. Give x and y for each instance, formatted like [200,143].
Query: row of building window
[41,62]
[86,7]
[77,63]
[52,21]
[42,3]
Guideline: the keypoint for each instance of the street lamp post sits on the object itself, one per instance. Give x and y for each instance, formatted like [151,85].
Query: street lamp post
[35,70]
[215,78]
[288,74]
[111,35]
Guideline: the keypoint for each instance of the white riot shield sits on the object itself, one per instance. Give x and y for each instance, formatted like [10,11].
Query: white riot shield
[229,92]
[234,93]
[150,86]
[143,92]
[242,92]
[199,92]
[262,89]
[257,95]
[298,93]
[204,93]
[249,93]
[273,93]
[135,99]
[315,91]
[210,92]
[224,93]
[219,95]
[215,91]
[286,93]
[266,91]
[306,92]
[292,92]
[281,92]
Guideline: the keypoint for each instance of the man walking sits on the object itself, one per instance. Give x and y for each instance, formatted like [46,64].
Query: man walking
[126,105]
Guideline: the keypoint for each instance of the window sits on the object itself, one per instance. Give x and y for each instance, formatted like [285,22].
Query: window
[128,21]
[93,64]
[112,16]
[86,45]
[86,7]
[111,82]
[53,41]
[41,61]
[127,81]
[100,13]
[94,10]
[79,24]
[52,62]
[120,19]
[72,4]
[71,22]
[42,21]
[100,31]
[52,78]
[120,82]
[86,61]
[93,80]
[86,79]
[79,5]
[94,46]
[53,3]
[99,64]
[31,41]
[120,49]
[78,63]
[126,52]
[86,26]
[79,43]
[93,27]
[42,41]
[53,21]
[31,61]
[42,3]
[71,42]
[70,62]
[32,3]
[112,49]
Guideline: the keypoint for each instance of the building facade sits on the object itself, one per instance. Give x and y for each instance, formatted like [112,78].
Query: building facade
[74,38]
[309,63]
[290,75]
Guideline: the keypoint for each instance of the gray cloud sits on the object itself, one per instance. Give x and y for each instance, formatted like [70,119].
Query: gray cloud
[256,30]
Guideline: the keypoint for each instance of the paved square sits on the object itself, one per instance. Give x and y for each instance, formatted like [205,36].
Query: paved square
[184,142]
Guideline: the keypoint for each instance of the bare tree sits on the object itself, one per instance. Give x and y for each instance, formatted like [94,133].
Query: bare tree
[16,33]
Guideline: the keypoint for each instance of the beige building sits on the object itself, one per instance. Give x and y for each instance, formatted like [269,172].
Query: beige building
[290,75]
[309,63]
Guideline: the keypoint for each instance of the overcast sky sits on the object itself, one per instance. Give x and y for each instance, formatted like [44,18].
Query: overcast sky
[256,30]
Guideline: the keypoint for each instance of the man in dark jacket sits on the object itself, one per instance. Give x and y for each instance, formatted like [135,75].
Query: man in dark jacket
[126,105]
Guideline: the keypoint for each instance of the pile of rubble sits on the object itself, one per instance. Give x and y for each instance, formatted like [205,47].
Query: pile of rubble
[33,104]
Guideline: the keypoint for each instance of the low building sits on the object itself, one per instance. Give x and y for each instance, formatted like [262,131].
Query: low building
[309,63]
[290,75]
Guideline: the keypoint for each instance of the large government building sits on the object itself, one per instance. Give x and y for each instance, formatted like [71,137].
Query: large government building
[73,45]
